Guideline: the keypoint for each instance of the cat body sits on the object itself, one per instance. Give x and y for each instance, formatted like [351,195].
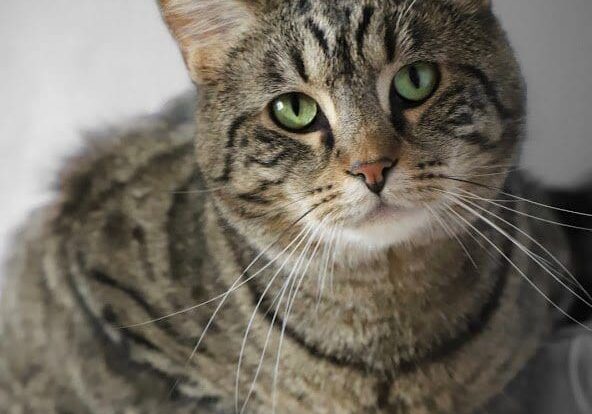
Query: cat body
[343,297]
[129,242]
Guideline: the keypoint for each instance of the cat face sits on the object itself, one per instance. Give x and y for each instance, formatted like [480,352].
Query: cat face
[362,116]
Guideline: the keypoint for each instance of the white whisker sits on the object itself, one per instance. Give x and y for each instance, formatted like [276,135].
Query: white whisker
[288,283]
[489,174]
[204,191]
[287,313]
[501,252]
[451,234]
[469,231]
[536,203]
[279,298]
[543,220]
[537,258]
[495,166]
[334,260]
[234,287]
[323,274]
[253,315]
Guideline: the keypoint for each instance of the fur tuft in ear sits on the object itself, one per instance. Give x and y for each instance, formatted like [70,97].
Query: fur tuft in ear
[205,30]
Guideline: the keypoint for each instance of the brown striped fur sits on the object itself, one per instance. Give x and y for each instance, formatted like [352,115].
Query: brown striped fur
[407,322]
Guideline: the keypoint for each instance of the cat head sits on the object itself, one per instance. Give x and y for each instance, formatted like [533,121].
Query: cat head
[360,116]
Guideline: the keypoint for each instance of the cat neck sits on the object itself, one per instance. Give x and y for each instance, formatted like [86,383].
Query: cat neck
[383,312]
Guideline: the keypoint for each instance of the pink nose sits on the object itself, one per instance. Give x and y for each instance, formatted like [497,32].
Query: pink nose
[373,173]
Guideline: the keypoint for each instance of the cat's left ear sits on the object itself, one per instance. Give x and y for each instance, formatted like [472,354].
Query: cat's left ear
[207,29]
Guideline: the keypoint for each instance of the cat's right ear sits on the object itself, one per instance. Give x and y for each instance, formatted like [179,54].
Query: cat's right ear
[206,29]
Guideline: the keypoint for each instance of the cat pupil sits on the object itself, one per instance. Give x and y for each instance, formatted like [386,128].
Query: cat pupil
[414,76]
[295,100]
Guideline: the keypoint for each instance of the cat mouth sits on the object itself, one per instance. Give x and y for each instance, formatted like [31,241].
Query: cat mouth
[385,213]
[383,224]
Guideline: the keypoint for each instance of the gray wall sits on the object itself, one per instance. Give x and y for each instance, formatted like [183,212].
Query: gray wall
[553,39]
[67,65]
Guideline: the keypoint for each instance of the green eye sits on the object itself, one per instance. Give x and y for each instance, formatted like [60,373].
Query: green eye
[294,111]
[417,82]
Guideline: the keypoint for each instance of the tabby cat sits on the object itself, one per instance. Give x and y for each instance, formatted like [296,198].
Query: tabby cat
[343,233]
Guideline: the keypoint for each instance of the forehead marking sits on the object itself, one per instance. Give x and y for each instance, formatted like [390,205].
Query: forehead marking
[344,46]
[367,14]
[319,35]
[298,62]
[390,38]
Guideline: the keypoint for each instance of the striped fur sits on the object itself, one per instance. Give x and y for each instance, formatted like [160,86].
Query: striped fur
[408,322]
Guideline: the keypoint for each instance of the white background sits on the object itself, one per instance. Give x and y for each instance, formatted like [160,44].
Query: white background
[69,65]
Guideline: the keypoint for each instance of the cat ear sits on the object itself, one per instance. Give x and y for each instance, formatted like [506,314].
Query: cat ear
[206,29]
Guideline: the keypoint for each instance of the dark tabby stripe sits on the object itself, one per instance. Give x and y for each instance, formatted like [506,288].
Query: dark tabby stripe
[140,236]
[476,138]
[272,162]
[254,198]
[343,50]
[298,63]
[106,280]
[476,325]
[450,93]
[120,353]
[478,322]
[230,144]
[140,340]
[367,14]
[273,74]
[461,119]
[390,38]
[398,119]
[320,36]
[418,36]
[103,279]
[235,241]
[491,91]
[289,148]
[313,350]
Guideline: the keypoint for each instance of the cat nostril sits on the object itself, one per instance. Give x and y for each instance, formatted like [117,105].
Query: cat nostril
[373,173]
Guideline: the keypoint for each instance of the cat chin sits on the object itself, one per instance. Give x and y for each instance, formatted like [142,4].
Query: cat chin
[386,229]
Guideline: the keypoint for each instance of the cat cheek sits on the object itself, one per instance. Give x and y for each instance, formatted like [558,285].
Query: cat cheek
[316,140]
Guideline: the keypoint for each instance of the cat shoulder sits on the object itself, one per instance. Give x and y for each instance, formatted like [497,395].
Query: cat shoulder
[149,157]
